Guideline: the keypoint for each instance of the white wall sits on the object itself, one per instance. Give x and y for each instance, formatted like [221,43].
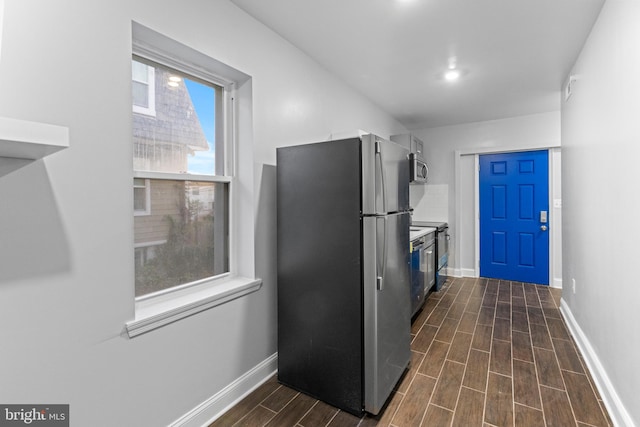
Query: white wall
[450,194]
[600,135]
[66,228]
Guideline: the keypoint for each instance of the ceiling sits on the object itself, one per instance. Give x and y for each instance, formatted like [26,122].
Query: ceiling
[514,55]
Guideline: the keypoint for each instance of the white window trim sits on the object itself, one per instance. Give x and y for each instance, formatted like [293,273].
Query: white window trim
[147,203]
[151,89]
[162,308]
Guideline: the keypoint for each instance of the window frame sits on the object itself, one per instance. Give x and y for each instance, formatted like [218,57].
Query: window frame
[153,311]
[222,133]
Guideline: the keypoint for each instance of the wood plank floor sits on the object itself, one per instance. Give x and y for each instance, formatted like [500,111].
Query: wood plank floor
[484,353]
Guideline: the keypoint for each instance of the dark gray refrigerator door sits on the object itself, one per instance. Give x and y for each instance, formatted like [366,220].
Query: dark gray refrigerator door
[387,306]
[385,176]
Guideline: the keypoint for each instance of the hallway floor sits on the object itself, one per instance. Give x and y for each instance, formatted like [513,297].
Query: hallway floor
[484,353]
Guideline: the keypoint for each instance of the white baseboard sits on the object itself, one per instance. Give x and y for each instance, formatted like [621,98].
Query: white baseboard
[468,272]
[452,272]
[212,408]
[616,409]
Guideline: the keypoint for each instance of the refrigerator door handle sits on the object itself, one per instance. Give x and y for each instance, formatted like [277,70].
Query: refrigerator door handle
[380,178]
[381,252]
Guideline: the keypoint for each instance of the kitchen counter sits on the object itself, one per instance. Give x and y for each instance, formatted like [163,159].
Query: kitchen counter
[416,232]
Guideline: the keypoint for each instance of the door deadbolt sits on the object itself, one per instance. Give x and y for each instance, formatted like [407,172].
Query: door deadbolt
[543,217]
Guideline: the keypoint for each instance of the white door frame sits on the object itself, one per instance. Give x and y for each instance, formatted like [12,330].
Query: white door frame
[555,206]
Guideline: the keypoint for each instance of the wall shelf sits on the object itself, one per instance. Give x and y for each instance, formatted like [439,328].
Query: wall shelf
[22,139]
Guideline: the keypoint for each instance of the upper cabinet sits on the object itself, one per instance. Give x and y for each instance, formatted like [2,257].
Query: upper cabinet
[413,143]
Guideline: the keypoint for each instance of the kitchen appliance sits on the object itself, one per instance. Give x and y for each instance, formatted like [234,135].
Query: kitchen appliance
[418,167]
[343,270]
[423,254]
[442,249]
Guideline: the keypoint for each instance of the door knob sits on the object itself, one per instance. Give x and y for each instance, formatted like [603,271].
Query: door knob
[543,227]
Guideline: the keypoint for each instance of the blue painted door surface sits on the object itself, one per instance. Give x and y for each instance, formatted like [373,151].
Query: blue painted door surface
[514,200]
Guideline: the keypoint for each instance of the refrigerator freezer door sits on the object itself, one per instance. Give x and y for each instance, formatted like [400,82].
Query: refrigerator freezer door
[385,176]
[387,305]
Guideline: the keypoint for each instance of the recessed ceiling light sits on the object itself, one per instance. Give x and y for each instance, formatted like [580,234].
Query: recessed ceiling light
[452,75]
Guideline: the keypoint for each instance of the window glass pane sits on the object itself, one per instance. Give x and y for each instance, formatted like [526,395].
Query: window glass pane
[140,199]
[181,135]
[185,235]
[139,182]
[140,72]
[140,94]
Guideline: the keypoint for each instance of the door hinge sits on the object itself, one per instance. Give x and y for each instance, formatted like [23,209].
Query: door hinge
[378,147]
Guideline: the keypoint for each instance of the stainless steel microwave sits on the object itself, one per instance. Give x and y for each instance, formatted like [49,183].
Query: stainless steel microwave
[418,168]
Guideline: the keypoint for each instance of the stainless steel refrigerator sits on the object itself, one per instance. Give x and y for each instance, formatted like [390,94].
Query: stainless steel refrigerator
[344,270]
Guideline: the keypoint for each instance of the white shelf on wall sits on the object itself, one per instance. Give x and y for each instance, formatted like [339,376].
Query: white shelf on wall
[22,139]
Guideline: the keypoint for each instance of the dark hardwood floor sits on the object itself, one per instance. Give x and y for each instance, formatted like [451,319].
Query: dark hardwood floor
[484,353]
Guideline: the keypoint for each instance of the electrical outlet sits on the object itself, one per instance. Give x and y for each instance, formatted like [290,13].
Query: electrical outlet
[573,285]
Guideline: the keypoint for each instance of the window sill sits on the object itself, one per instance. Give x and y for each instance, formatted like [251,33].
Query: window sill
[157,312]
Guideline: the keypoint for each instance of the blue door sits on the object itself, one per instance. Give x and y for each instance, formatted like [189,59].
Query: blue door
[514,206]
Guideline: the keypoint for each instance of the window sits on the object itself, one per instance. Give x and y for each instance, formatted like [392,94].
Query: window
[180,190]
[190,254]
